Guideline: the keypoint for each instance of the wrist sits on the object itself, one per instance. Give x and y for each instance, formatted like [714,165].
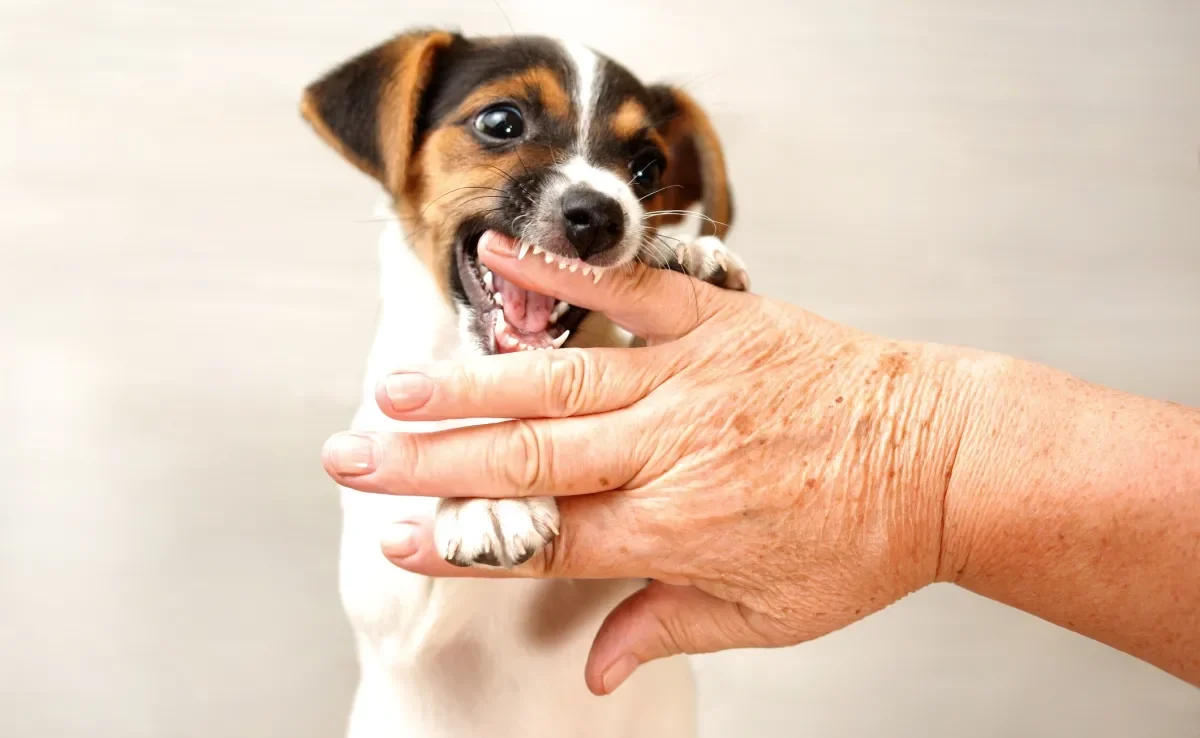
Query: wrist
[987,416]
[953,388]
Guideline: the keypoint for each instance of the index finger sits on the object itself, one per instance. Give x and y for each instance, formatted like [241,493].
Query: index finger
[526,384]
[655,304]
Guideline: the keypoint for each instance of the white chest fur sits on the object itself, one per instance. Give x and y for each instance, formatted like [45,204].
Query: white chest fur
[464,658]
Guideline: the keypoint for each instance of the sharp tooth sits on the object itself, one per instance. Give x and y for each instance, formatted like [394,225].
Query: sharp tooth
[549,257]
[562,265]
[559,310]
[487,281]
[558,342]
[498,298]
[587,270]
[537,250]
[500,324]
[508,340]
[524,250]
[574,268]
[596,279]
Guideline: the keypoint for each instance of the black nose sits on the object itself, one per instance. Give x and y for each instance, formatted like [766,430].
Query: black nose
[593,221]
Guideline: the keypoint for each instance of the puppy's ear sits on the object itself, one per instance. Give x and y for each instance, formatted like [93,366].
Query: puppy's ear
[368,108]
[695,170]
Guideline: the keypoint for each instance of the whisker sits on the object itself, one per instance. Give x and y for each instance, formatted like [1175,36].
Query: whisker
[660,189]
[692,213]
[512,179]
[483,197]
[456,189]
[506,19]
[663,235]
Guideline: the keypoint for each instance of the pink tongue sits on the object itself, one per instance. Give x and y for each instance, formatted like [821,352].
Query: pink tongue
[526,311]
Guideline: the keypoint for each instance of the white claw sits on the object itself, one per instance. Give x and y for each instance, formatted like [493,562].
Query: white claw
[487,281]
[596,279]
[549,257]
[587,270]
[558,342]
[537,250]
[524,250]
[574,268]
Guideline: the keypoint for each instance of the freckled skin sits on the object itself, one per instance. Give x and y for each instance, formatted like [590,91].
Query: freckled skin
[845,488]
[811,482]
[780,476]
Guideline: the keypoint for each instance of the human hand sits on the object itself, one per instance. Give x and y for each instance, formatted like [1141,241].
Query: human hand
[777,475]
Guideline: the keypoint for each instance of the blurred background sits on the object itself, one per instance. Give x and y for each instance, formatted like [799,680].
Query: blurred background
[188,291]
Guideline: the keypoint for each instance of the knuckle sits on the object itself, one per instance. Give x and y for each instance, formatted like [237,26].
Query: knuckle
[665,626]
[569,377]
[411,459]
[525,458]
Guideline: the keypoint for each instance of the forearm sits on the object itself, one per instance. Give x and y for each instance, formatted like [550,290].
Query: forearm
[1081,505]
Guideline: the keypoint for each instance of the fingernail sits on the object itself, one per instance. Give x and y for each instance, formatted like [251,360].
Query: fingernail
[400,541]
[350,454]
[408,391]
[496,243]
[616,674]
[486,240]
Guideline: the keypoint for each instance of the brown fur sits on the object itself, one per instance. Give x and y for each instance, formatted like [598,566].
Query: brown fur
[629,120]
[695,167]
[520,86]
[446,177]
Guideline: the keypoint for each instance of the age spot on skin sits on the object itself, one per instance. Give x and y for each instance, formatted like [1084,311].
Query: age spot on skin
[893,365]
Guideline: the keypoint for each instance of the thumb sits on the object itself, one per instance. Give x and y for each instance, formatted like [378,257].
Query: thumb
[655,304]
[663,620]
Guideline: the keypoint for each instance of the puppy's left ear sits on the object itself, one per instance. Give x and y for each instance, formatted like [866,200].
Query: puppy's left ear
[695,170]
[368,108]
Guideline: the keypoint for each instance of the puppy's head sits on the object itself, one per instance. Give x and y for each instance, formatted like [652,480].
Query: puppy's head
[545,141]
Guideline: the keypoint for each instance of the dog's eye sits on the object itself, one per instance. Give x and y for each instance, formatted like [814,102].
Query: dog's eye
[502,122]
[646,168]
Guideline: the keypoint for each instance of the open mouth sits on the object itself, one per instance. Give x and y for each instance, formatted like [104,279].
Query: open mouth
[512,318]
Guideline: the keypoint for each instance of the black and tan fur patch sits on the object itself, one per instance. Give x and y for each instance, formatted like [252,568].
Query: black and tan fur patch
[402,112]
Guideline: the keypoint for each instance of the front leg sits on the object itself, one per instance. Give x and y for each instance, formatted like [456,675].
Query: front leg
[708,259]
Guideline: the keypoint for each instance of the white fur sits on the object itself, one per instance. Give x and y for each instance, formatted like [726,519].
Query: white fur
[577,171]
[587,68]
[460,658]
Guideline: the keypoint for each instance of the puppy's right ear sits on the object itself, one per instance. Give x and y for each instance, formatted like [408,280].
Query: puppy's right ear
[367,109]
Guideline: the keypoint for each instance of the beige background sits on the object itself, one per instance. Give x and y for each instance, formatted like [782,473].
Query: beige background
[186,299]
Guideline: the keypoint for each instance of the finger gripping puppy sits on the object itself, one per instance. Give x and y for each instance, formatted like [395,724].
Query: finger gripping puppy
[565,150]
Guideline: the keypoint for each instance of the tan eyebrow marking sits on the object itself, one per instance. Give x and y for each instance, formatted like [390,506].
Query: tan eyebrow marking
[629,120]
[539,80]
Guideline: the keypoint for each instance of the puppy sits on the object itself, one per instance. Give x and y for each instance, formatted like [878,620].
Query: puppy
[564,149]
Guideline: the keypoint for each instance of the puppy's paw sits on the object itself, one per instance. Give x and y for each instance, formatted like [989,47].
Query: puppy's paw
[708,259]
[494,533]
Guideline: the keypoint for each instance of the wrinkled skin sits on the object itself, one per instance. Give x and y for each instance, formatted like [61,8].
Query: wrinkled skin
[763,524]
